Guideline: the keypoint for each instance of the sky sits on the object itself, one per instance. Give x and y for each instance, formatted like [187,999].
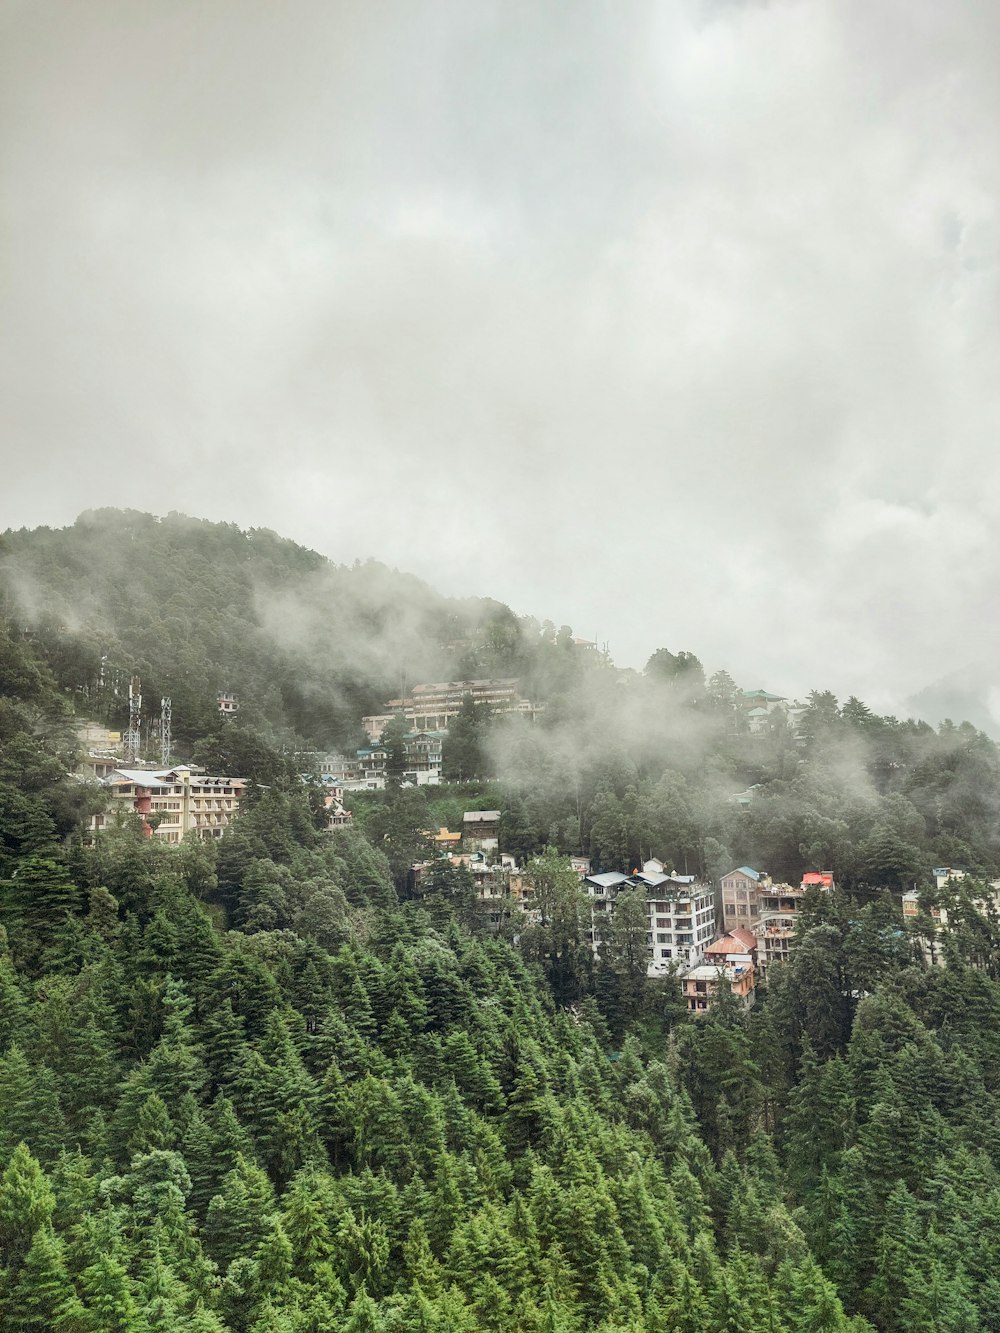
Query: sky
[677,321]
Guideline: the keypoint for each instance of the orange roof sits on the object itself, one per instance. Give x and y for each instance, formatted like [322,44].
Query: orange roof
[824,878]
[738,941]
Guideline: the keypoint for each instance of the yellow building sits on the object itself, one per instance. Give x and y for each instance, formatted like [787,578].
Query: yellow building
[175,801]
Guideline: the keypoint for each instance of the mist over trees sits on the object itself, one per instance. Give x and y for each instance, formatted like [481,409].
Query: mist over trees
[275,1085]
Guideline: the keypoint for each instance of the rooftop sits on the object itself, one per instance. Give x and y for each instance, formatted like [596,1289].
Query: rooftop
[437,686]
[737,940]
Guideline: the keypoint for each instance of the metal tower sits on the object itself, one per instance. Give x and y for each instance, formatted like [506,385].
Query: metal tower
[133,739]
[165,731]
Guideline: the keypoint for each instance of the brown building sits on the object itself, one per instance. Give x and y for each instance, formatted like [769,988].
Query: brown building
[739,897]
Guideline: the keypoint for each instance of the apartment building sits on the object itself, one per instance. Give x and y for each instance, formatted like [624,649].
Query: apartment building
[173,802]
[739,897]
[680,914]
[985,901]
[424,754]
[778,909]
[481,830]
[433,707]
[701,984]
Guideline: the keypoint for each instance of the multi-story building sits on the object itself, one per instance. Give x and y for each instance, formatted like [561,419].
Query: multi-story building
[434,706]
[702,982]
[680,915]
[365,770]
[227,703]
[758,705]
[424,754]
[778,909]
[102,750]
[175,801]
[985,900]
[337,815]
[371,767]
[481,830]
[740,890]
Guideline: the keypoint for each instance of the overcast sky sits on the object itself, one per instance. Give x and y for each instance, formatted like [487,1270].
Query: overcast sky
[676,321]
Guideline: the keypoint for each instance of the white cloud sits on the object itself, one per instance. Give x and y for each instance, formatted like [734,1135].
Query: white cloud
[677,321]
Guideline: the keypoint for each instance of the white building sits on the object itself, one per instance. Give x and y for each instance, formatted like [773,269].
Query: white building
[680,915]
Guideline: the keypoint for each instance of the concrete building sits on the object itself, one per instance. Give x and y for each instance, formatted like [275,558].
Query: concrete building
[757,706]
[481,831]
[433,707]
[701,984]
[102,751]
[680,915]
[739,897]
[227,703]
[424,753]
[778,907]
[173,802]
[985,901]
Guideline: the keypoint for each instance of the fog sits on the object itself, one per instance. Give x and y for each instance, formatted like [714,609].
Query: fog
[677,322]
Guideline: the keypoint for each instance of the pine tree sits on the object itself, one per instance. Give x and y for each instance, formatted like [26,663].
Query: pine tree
[43,1297]
[26,1205]
[108,1297]
[237,1219]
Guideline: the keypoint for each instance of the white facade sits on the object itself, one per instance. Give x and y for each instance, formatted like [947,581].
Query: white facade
[680,915]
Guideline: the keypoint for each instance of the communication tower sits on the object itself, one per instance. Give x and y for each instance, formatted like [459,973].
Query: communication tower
[133,739]
[165,731]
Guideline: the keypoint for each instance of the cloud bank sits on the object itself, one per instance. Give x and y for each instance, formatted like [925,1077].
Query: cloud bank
[678,321]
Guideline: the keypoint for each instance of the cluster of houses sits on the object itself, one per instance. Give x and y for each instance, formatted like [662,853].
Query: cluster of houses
[708,942]
[172,802]
[429,711]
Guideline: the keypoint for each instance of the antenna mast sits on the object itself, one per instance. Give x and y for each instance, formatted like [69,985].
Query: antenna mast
[165,731]
[133,739]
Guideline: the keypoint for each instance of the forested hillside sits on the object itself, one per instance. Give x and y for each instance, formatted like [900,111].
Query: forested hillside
[267,1085]
[196,607]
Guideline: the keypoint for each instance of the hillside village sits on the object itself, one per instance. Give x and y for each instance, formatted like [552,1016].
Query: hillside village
[689,990]
[710,936]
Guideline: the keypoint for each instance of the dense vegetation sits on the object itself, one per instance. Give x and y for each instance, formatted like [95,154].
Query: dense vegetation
[196,607]
[267,1086]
